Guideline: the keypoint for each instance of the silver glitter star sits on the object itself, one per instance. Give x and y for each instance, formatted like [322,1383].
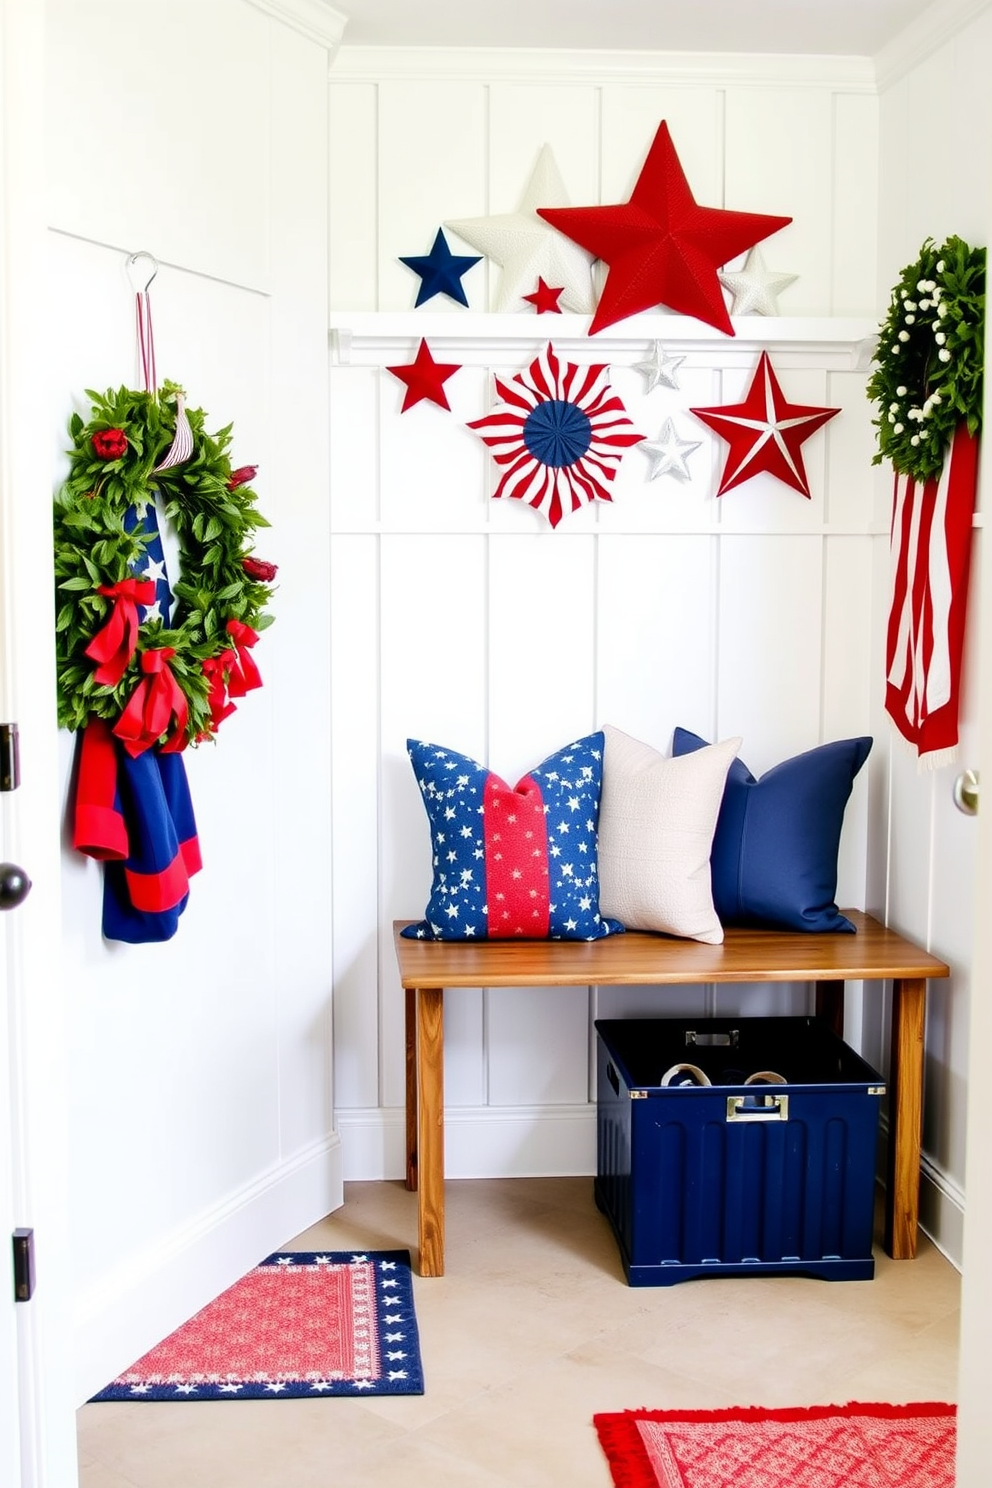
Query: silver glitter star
[755,288]
[668,453]
[660,369]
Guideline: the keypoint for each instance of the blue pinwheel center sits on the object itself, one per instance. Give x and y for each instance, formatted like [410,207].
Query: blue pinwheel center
[557,432]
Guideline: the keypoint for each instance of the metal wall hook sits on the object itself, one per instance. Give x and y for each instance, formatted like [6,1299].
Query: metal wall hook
[132,261]
[966,792]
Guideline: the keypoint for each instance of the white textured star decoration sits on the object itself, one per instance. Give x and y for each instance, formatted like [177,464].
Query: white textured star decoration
[528,249]
[754,288]
[660,369]
[668,453]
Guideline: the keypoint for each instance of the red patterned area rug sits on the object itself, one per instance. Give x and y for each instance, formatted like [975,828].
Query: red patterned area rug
[313,1323]
[849,1446]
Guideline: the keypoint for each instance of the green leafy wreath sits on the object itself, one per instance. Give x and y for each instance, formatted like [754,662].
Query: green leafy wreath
[220,593]
[930,356]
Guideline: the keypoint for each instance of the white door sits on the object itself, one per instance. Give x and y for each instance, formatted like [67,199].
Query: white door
[37,1435]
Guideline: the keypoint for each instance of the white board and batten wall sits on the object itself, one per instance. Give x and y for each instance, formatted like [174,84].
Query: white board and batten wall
[468,622]
[758,613]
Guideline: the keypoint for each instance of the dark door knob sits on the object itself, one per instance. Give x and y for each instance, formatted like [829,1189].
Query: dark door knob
[14,886]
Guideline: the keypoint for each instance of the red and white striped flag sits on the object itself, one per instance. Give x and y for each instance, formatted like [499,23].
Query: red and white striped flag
[930,556]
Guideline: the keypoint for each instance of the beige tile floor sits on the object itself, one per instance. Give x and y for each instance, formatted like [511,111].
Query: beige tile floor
[531,1331]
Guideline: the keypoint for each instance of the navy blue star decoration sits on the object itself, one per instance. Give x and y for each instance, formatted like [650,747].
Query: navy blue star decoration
[441,271]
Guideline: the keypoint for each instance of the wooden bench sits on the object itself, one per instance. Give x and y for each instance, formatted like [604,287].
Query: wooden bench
[874,955]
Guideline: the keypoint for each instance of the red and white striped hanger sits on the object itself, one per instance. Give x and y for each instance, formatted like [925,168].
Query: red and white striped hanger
[182,443]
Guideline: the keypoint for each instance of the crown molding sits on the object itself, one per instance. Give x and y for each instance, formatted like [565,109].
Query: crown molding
[549,66]
[314,19]
[938,24]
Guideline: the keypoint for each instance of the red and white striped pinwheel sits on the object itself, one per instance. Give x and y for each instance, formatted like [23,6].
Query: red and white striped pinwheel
[559,433]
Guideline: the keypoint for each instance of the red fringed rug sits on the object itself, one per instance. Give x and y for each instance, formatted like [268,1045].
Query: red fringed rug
[312,1323]
[850,1446]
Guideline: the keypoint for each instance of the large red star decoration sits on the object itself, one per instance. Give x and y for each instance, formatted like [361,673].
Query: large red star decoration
[425,378]
[662,248]
[765,433]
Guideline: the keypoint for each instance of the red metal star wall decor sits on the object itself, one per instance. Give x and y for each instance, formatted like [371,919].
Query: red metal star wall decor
[425,378]
[765,432]
[662,248]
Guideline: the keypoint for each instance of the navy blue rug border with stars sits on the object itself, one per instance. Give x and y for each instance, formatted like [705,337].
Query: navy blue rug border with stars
[397,1345]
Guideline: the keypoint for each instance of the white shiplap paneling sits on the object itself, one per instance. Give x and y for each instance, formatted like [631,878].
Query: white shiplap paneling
[504,639]
[431,165]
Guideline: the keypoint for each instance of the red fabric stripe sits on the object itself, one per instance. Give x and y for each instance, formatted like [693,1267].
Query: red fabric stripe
[190,851]
[98,826]
[158,891]
[516,843]
[930,647]
[939,729]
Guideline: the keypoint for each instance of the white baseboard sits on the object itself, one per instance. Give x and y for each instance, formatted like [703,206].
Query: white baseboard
[479,1142]
[144,1300]
[942,1212]
[558,1142]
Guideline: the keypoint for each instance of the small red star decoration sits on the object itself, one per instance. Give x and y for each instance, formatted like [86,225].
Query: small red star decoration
[425,378]
[765,433]
[545,299]
[662,248]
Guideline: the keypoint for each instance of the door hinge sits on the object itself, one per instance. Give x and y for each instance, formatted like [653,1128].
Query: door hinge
[10,757]
[23,1265]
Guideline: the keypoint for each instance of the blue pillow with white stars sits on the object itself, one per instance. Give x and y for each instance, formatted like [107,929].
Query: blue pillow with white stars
[512,862]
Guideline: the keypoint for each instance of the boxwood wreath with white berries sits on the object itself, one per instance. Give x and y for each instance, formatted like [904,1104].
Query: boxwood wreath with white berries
[929,361]
[213,509]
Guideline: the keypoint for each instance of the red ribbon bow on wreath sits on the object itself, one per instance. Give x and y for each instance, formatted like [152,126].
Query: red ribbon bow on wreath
[114,645]
[153,704]
[244,674]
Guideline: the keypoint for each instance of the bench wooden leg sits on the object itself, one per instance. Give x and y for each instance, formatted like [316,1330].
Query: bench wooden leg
[410,1034]
[430,1129]
[902,1199]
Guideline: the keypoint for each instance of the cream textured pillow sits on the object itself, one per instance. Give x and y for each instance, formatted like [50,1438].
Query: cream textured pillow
[657,817]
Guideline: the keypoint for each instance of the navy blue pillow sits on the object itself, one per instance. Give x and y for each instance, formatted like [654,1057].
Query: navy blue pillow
[774,857]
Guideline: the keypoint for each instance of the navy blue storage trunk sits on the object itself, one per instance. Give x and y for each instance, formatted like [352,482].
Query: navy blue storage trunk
[732,1179]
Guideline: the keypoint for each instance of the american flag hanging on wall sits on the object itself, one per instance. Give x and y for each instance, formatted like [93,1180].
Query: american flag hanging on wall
[930,558]
[929,365]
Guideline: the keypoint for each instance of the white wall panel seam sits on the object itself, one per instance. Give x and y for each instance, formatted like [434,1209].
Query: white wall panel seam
[937,777]
[720,101]
[486,1050]
[380,813]
[376,193]
[832,251]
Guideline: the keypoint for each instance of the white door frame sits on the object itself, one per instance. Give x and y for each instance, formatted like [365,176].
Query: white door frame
[974,1418]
